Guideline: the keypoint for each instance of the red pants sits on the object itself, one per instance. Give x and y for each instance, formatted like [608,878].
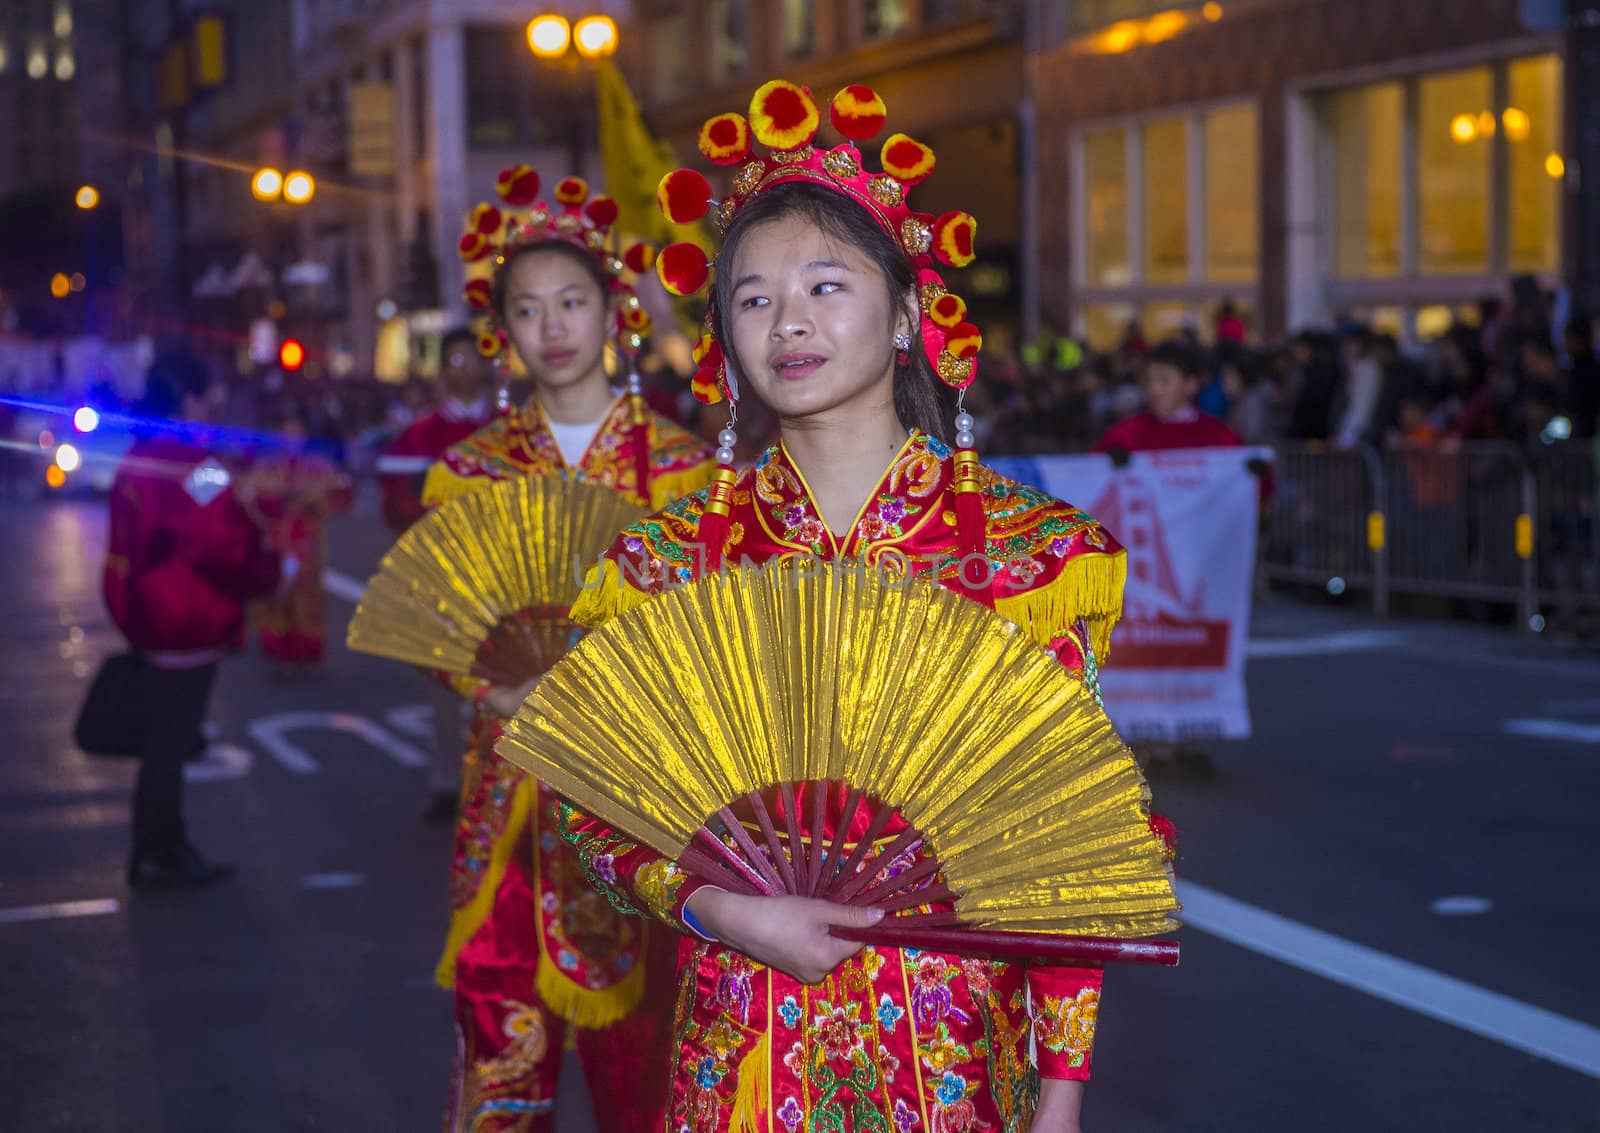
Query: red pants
[509,1045]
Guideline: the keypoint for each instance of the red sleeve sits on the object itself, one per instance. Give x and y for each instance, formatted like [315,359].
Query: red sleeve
[1120,435]
[401,471]
[1065,1005]
[633,877]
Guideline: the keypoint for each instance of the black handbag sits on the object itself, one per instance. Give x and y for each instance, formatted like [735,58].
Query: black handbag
[111,721]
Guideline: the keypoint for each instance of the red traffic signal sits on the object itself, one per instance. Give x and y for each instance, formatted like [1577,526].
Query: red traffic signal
[291,355]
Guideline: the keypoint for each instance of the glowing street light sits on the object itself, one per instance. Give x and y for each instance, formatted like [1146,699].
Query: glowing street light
[1464,128]
[267,184]
[549,35]
[596,37]
[86,419]
[1555,166]
[88,196]
[299,187]
[291,355]
[68,459]
[60,285]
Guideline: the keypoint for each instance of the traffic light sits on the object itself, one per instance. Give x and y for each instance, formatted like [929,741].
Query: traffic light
[291,355]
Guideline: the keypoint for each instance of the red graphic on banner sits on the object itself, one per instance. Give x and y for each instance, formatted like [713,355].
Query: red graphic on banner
[1161,628]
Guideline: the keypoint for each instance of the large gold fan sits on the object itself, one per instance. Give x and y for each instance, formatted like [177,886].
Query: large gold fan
[482,586]
[714,722]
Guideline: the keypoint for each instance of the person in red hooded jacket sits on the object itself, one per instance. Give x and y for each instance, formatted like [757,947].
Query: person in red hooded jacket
[183,560]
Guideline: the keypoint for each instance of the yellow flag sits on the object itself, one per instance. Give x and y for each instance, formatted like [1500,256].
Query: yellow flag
[635,162]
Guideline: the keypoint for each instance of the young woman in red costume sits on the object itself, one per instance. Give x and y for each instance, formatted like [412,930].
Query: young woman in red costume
[532,948]
[826,304]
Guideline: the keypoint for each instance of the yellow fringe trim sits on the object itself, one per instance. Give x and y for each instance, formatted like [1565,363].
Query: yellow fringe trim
[605,595]
[468,919]
[671,486]
[1089,587]
[752,1096]
[590,1008]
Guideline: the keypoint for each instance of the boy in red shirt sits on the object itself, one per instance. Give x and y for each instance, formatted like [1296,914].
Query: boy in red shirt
[1171,378]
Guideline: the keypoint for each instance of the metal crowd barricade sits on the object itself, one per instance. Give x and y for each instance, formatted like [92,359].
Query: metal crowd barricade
[1487,521]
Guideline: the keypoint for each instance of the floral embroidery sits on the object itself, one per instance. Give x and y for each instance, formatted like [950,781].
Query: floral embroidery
[733,984]
[1066,1026]
[943,1052]
[708,1073]
[658,884]
[889,1014]
[789,1009]
[791,1114]
[905,1118]
[838,1029]
[931,997]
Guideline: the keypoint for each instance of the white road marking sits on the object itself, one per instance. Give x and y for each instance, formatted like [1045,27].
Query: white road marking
[221,761]
[271,732]
[343,586]
[414,720]
[1461,906]
[333,881]
[59,911]
[1317,645]
[1487,1014]
[1546,729]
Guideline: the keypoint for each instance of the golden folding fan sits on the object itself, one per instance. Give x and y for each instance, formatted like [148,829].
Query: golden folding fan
[993,780]
[482,586]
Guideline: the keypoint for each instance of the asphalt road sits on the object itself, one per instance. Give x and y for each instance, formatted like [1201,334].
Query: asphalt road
[1322,986]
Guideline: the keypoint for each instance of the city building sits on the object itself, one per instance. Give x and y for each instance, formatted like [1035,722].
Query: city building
[1307,159]
[950,73]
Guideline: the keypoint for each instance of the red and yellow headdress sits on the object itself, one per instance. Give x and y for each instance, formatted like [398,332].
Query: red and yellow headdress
[784,118]
[494,233]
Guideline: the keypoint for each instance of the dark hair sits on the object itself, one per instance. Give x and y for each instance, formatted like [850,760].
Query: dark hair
[1179,355]
[502,278]
[1581,328]
[920,398]
[455,335]
[173,377]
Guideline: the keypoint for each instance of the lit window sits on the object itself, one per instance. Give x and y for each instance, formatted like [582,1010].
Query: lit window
[799,28]
[1366,124]
[1104,324]
[1105,156]
[66,66]
[669,61]
[63,22]
[1231,189]
[730,32]
[1166,201]
[1453,172]
[883,18]
[1532,123]
[38,62]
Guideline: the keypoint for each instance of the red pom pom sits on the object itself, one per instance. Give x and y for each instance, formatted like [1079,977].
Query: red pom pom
[1166,833]
[725,139]
[684,196]
[518,185]
[473,247]
[964,341]
[857,112]
[906,159]
[682,268]
[602,212]
[572,191]
[783,115]
[706,385]
[954,235]
[640,258]
[478,294]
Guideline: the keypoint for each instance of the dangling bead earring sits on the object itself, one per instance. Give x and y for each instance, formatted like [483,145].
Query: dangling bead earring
[729,437]
[965,423]
[902,349]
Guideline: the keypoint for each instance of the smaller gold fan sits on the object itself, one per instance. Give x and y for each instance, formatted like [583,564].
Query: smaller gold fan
[481,586]
[742,724]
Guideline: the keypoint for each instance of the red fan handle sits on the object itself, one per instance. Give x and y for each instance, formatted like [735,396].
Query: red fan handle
[1016,946]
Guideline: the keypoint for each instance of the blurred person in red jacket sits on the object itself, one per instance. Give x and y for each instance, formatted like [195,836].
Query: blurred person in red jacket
[183,560]
[463,410]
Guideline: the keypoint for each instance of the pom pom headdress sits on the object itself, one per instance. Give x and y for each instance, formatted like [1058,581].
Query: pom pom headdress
[494,233]
[493,236]
[784,118]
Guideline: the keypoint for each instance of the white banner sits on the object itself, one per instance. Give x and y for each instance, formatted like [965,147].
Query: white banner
[1188,520]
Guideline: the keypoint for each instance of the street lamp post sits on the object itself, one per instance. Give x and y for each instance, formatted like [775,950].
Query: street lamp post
[551,37]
